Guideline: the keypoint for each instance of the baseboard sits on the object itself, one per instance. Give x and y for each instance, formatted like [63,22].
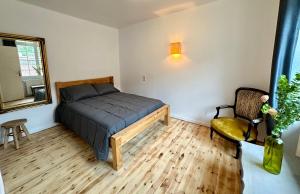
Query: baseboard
[50,125]
[41,127]
[190,120]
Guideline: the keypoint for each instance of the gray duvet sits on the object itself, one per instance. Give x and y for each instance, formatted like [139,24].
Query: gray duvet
[96,119]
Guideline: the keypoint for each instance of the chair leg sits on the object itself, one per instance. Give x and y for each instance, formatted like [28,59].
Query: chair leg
[211,134]
[238,150]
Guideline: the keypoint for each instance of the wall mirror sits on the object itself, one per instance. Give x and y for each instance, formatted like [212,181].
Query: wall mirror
[24,78]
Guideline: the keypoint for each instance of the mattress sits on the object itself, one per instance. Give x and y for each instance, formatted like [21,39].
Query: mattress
[96,119]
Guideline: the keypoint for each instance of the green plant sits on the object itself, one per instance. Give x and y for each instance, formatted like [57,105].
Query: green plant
[288,111]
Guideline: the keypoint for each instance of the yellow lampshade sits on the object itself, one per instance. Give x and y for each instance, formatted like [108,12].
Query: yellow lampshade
[175,49]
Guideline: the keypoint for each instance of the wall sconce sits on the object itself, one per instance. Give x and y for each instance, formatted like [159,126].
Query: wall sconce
[175,49]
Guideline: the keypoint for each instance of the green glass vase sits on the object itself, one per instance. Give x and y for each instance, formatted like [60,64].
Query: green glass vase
[273,154]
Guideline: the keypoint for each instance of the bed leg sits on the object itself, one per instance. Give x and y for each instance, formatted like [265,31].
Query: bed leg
[116,153]
[167,117]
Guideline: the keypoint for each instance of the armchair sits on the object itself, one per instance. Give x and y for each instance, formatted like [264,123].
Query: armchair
[247,116]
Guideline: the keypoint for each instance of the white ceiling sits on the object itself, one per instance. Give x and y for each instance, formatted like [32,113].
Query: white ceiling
[117,13]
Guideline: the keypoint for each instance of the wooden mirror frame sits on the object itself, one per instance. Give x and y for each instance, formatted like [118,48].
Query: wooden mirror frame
[45,71]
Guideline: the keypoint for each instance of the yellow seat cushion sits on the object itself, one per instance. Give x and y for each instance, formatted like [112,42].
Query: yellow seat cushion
[233,128]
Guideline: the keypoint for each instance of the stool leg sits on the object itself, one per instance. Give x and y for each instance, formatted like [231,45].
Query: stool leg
[2,135]
[15,135]
[24,128]
[19,132]
[5,136]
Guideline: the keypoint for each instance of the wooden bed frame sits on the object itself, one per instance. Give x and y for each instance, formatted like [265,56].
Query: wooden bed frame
[125,135]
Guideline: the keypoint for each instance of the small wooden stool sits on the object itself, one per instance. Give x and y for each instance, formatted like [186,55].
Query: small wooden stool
[17,127]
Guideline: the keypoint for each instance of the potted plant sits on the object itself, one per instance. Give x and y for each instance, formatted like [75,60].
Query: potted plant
[288,112]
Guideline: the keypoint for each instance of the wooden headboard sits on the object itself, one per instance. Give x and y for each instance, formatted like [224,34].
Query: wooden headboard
[103,80]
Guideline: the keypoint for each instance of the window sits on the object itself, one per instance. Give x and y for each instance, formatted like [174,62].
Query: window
[30,58]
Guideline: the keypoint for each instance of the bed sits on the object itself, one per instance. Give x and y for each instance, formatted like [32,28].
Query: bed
[106,117]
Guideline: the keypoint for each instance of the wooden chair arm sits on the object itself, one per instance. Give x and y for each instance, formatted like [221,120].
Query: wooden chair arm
[222,107]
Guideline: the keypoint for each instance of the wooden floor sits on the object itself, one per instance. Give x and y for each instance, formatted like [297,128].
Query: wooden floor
[180,158]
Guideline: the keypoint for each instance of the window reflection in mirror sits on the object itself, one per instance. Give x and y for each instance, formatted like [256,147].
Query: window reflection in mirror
[22,75]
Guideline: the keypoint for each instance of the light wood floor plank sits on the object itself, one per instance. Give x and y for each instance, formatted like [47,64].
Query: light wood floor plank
[180,158]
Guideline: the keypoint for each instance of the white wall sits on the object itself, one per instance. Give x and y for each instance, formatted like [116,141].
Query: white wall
[227,44]
[291,137]
[76,49]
